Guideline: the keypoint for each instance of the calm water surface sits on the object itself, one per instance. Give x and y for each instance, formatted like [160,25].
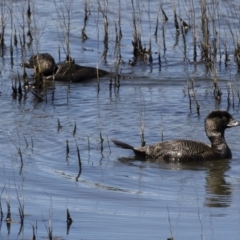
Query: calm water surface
[117,196]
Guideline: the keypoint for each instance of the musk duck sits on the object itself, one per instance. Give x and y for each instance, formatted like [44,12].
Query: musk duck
[186,150]
[45,65]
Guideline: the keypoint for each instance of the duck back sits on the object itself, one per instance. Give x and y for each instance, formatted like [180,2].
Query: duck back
[76,73]
[182,150]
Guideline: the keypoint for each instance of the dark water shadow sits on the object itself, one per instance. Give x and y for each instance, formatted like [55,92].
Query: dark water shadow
[218,190]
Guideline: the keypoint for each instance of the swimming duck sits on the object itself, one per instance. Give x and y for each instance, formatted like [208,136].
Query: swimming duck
[186,150]
[45,64]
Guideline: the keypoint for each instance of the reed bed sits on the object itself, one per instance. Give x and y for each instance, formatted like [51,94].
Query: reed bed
[205,33]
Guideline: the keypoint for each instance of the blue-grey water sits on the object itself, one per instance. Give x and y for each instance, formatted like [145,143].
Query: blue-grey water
[117,196]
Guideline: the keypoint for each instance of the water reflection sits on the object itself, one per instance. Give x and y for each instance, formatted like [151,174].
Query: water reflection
[218,190]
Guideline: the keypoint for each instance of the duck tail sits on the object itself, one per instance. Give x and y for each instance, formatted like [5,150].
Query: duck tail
[123,145]
[127,146]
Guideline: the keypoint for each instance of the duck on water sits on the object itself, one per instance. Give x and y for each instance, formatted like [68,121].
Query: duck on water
[45,65]
[186,150]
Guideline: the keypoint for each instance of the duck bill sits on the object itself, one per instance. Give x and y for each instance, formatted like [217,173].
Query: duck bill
[233,123]
[26,65]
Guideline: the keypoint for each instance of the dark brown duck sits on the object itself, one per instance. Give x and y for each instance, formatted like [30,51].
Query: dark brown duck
[45,64]
[186,150]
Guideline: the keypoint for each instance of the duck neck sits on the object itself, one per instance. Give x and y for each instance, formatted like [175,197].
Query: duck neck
[216,138]
[219,144]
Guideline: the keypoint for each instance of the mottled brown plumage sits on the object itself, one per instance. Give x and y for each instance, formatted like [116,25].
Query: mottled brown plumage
[186,150]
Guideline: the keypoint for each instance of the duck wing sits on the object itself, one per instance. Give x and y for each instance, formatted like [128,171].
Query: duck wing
[76,73]
[87,73]
[179,150]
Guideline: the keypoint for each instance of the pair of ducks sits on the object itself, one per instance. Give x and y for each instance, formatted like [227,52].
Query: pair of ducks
[177,150]
[44,64]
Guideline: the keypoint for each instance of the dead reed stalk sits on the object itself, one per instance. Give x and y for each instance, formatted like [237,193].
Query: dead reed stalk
[74,129]
[10,9]
[8,218]
[1,211]
[67,148]
[170,224]
[105,22]
[49,228]
[33,235]
[79,163]
[64,12]
[59,126]
[101,141]
[69,221]
[3,22]
[205,45]
[87,14]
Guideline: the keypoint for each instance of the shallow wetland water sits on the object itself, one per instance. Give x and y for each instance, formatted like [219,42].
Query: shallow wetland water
[118,196]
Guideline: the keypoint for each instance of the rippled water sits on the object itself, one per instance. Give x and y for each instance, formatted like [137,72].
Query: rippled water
[117,196]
